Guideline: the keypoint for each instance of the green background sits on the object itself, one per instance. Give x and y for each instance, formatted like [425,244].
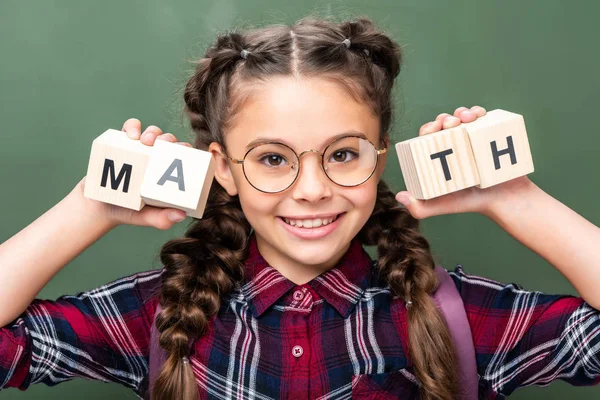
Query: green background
[69,70]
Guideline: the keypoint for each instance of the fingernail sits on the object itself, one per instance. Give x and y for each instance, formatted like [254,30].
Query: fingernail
[176,217]
[132,134]
[403,198]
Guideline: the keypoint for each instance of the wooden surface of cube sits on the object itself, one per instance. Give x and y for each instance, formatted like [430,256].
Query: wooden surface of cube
[116,169]
[438,163]
[501,148]
[179,177]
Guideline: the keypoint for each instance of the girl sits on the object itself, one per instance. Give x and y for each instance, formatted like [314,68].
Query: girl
[270,294]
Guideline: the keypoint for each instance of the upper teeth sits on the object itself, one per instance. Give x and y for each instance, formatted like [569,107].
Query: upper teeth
[309,223]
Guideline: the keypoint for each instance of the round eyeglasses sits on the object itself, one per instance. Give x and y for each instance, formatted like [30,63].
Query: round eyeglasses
[273,167]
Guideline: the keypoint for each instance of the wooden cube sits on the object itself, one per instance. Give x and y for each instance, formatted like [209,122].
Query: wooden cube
[116,169]
[490,150]
[500,145]
[178,177]
[438,163]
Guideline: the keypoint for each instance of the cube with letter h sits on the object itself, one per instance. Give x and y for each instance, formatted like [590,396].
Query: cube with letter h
[127,173]
[488,151]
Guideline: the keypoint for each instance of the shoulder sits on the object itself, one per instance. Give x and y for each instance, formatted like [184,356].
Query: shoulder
[137,292]
[469,285]
[466,284]
[479,291]
[145,284]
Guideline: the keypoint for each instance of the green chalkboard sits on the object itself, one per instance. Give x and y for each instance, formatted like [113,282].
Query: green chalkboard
[70,70]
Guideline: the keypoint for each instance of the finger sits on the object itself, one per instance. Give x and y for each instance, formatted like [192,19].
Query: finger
[132,127]
[186,144]
[467,116]
[479,111]
[450,122]
[169,137]
[442,116]
[459,110]
[150,134]
[430,127]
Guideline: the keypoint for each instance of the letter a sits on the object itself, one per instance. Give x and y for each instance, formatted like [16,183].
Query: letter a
[168,177]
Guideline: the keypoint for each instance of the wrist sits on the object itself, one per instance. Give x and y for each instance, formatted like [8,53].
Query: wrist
[91,211]
[513,196]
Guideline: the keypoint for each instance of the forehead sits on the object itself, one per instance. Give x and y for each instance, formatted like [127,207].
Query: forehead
[301,112]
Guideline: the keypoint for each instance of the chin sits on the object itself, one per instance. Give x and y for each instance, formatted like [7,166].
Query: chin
[313,254]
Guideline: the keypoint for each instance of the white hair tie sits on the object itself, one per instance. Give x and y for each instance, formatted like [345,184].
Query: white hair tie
[347,43]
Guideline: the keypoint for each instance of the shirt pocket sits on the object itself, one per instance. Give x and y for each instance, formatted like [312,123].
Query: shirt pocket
[399,384]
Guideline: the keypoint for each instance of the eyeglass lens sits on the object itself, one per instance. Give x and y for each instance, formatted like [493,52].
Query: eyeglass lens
[348,161]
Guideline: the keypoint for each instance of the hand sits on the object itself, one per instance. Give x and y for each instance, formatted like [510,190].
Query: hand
[470,199]
[148,216]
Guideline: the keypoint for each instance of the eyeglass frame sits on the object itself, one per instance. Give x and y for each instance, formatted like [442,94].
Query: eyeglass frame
[380,151]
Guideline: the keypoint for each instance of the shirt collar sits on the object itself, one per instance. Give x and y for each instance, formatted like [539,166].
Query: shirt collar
[341,286]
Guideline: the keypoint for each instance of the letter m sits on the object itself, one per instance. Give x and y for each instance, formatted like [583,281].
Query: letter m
[109,165]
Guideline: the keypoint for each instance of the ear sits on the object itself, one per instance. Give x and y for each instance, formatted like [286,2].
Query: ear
[223,173]
[385,143]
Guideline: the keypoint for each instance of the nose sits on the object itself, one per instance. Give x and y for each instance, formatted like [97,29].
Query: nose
[311,184]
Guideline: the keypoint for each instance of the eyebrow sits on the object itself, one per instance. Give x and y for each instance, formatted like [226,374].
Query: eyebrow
[262,139]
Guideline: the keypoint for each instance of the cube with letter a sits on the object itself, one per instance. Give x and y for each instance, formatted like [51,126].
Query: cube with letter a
[179,177]
[116,169]
[500,146]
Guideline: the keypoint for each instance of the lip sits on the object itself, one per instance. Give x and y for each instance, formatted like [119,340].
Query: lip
[313,233]
[313,216]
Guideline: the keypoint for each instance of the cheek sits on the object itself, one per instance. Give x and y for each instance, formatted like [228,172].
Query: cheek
[366,194]
[255,204]
[363,199]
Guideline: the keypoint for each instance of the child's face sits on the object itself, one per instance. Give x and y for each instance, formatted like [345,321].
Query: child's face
[304,114]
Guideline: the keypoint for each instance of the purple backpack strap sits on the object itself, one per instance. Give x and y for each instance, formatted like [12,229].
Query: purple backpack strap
[453,310]
[158,355]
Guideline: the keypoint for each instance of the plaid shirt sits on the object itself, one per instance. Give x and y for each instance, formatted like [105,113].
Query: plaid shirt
[338,336]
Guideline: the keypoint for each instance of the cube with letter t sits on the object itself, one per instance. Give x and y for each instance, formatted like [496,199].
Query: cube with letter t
[488,151]
[127,173]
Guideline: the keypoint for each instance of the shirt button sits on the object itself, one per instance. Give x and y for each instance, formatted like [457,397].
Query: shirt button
[297,351]
[298,295]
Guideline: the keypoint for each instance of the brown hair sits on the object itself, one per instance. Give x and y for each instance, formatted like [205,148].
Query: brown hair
[208,262]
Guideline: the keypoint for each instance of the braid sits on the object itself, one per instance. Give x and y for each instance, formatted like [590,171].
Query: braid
[201,269]
[407,265]
[207,264]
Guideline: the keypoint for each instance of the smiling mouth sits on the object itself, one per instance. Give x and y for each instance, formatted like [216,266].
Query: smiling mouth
[310,223]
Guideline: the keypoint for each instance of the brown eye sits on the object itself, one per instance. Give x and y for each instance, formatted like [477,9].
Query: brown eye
[343,156]
[272,160]
[339,156]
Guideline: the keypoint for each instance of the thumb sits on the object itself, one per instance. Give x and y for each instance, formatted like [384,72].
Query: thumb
[162,218]
[413,205]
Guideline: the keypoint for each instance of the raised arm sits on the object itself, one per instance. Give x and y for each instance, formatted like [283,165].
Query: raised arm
[29,259]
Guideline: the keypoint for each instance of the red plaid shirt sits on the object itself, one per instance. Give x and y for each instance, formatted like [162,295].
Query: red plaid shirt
[338,336]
